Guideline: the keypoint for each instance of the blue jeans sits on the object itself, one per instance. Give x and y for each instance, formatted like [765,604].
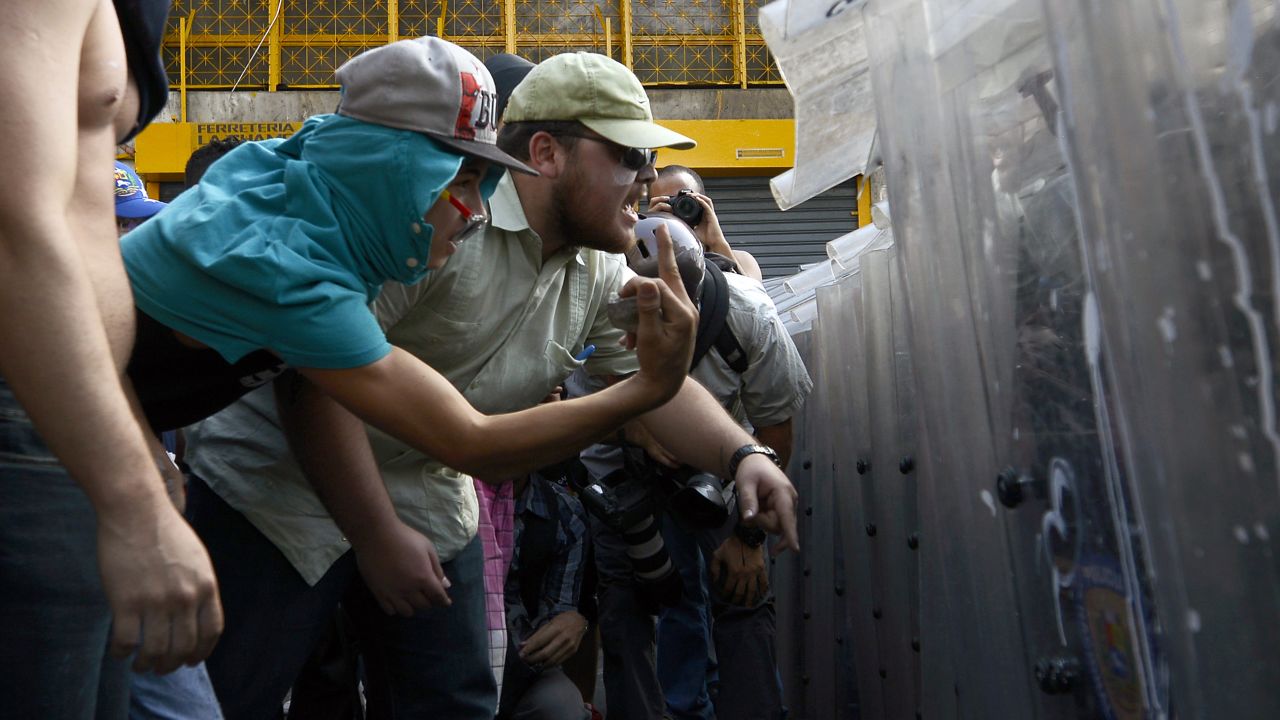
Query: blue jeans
[686,654]
[743,639]
[434,664]
[54,619]
[184,694]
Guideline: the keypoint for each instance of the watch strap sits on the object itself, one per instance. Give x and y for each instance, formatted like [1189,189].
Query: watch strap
[752,449]
[752,537]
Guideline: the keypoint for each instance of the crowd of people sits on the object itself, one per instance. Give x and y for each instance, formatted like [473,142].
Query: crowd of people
[408,415]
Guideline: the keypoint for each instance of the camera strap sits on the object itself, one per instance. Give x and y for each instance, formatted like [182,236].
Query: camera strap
[713,323]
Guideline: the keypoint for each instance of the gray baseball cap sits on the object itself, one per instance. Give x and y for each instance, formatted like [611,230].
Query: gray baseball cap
[431,86]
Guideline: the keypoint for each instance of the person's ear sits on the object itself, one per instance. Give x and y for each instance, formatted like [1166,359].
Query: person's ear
[547,155]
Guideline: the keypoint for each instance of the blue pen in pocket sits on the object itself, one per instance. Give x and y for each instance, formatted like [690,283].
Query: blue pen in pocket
[586,353]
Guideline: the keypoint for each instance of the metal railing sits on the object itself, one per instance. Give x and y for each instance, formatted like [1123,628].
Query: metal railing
[297,44]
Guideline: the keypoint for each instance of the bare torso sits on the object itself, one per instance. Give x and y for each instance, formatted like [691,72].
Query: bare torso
[107,109]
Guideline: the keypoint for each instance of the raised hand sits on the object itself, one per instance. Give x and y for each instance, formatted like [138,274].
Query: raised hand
[668,322]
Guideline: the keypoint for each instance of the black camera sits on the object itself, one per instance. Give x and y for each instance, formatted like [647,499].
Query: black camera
[686,207]
[628,501]
[626,505]
[695,498]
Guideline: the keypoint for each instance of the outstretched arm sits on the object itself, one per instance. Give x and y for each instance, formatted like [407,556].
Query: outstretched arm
[410,401]
[695,429]
[65,307]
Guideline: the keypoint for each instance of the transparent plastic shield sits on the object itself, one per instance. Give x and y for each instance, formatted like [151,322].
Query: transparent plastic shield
[949,368]
[889,493]
[1078,591]
[1087,316]
[907,449]
[1170,114]
[844,365]
[787,578]
[823,610]
[999,296]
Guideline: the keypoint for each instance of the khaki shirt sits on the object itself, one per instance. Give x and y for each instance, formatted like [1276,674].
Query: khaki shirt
[775,384]
[496,321]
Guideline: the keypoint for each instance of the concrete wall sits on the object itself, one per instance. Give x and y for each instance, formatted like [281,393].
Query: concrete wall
[668,104]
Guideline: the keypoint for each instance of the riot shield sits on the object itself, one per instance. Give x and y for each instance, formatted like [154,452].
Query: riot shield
[1044,590]
[1169,112]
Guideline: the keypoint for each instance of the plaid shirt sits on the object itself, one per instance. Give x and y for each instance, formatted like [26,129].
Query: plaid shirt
[563,580]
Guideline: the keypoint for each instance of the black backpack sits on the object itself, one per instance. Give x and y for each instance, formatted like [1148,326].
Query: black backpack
[713,319]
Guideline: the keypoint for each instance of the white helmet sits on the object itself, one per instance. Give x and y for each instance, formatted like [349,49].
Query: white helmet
[642,257]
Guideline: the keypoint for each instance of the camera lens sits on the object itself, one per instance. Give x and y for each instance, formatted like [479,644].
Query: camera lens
[686,207]
[699,502]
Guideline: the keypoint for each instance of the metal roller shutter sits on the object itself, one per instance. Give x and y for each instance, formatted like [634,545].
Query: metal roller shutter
[780,241]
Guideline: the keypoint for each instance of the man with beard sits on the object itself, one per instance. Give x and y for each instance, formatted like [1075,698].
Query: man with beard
[506,320]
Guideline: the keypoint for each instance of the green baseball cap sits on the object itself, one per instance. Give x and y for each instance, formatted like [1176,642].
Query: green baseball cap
[599,92]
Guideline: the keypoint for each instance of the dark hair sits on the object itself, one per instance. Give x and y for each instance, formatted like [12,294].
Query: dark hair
[205,155]
[670,170]
[513,138]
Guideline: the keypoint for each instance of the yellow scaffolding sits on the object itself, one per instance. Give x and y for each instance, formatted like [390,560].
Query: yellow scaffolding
[297,44]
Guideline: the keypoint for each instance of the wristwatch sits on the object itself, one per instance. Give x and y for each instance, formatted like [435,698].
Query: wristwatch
[741,453]
[752,537]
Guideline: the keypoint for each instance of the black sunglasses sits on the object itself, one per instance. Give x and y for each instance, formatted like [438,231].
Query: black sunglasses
[632,158]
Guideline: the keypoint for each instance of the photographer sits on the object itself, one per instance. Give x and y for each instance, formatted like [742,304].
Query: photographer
[680,191]
[763,385]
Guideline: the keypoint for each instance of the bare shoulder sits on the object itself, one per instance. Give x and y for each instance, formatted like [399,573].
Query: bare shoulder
[747,263]
[56,32]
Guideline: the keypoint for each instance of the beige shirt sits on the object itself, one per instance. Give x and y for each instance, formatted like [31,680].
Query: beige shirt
[775,384]
[496,321]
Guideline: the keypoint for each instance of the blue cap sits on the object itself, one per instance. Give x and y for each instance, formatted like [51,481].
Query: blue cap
[131,195]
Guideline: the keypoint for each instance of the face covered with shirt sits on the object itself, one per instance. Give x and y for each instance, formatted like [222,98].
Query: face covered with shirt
[335,210]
